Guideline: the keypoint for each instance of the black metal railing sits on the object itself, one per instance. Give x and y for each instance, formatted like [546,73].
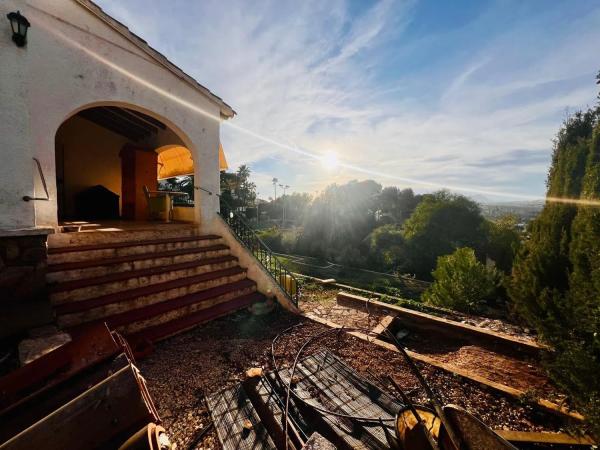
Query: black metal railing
[248,237]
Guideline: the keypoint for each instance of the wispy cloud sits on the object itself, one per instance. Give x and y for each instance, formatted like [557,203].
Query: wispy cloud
[449,106]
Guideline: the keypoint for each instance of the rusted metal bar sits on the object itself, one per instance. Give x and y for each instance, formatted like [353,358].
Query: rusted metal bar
[33,408]
[109,412]
[94,345]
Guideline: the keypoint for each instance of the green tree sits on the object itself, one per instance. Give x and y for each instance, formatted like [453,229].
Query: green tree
[463,283]
[339,220]
[441,223]
[387,247]
[396,205]
[503,241]
[237,191]
[555,281]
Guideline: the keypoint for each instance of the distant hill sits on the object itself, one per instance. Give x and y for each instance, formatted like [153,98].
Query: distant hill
[524,210]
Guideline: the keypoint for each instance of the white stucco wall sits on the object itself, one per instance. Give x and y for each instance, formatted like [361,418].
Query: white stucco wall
[73,61]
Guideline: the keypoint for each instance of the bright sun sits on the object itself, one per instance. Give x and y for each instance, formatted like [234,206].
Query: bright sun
[329,161]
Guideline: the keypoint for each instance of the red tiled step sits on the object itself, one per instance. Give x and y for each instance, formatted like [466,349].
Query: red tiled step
[110,245]
[156,309]
[59,267]
[161,331]
[94,281]
[83,305]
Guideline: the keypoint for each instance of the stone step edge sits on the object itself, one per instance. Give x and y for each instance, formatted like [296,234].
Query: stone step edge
[74,265]
[128,274]
[156,309]
[129,294]
[110,245]
[162,331]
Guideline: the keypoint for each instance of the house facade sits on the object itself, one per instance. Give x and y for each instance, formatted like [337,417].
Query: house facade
[90,116]
[82,77]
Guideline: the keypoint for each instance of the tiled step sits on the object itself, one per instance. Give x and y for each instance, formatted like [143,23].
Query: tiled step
[164,330]
[100,267]
[57,255]
[135,320]
[82,289]
[120,312]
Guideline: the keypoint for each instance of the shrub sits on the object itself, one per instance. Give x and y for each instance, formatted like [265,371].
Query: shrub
[462,283]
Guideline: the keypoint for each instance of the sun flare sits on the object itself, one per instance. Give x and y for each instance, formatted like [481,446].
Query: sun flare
[329,161]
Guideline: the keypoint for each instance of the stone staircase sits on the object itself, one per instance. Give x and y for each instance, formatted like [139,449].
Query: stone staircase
[148,284]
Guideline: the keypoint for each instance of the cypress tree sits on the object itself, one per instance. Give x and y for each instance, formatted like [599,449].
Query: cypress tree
[555,282]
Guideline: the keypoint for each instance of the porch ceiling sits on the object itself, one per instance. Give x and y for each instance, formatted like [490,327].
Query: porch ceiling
[131,124]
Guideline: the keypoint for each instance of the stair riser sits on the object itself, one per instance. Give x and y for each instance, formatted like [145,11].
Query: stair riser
[57,258]
[98,271]
[103,237]
[145,300]
[177,313]
[140,264]
[70,320]
[88,292]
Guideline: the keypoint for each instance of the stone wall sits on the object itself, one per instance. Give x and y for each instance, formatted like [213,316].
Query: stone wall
[23,296]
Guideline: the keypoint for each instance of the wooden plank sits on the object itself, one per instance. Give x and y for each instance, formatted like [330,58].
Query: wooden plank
[118,405]
[383,324]
[544,438]
[502,388]
[422,320]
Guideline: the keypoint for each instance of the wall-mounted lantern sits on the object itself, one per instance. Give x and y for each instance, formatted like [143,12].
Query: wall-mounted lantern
[19,25]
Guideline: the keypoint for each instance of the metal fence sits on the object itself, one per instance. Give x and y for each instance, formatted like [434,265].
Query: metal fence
[248,237]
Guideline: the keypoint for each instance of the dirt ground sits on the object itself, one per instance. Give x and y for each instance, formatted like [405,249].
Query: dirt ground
[188,367]
[514,369]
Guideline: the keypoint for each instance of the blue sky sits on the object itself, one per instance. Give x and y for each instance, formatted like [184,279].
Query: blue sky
[424,94]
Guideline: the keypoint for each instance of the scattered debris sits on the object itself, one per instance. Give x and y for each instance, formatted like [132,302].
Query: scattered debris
[86,393]
[254,372]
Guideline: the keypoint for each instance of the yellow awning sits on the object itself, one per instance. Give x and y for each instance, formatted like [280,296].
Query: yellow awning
[174,161]
[222,160]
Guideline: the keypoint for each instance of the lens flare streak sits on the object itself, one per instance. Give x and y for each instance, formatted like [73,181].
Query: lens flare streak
[317,157]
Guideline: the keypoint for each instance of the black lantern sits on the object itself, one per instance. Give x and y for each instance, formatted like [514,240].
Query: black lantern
[19,25]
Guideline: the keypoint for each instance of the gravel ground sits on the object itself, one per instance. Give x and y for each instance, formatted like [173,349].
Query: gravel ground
[187,367]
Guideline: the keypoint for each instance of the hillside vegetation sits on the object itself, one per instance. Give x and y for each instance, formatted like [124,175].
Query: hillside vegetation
[555,282]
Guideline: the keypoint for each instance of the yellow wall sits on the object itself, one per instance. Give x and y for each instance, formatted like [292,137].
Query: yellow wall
[91,157]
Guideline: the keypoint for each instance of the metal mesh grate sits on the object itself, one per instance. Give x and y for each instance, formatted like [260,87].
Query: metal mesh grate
[327,382]
[229,410]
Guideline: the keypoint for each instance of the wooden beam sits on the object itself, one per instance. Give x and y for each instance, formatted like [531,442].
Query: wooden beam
[423,321]
[104,122]
[147,118]
[128,120]
[544,438]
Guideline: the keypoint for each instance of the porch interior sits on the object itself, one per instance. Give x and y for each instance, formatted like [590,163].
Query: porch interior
[105,158]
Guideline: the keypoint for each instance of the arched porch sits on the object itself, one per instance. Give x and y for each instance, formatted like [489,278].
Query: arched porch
[113,164]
